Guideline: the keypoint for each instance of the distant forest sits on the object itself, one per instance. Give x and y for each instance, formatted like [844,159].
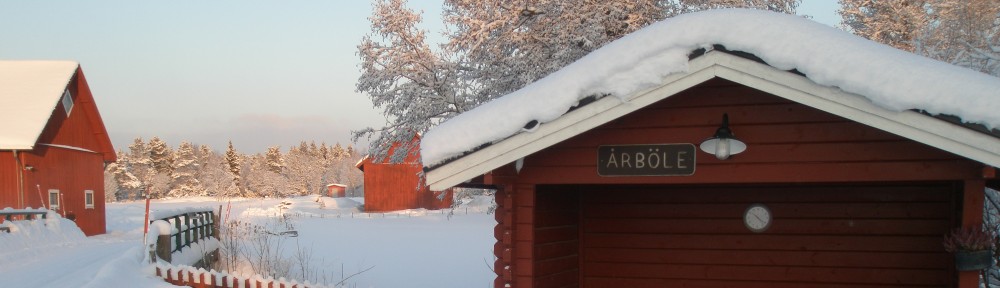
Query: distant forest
[155,168]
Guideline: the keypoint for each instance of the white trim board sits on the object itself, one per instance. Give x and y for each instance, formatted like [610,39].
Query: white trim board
[912,125]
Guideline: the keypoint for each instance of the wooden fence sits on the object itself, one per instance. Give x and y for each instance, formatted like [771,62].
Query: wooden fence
[200,278]
[191,227]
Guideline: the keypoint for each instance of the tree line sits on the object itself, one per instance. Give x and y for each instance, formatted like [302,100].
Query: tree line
[156,169]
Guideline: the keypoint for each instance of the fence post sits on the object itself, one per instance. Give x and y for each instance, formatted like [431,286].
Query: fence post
[215,224]
[187,232]
[177,239]
[163,247]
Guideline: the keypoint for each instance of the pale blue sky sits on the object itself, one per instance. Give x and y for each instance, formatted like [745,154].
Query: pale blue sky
[260,73]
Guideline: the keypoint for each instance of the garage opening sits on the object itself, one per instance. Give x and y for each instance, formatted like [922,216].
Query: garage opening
[872,235]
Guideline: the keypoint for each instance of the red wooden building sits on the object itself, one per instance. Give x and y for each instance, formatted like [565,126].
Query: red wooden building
[336,190]
[831,191]
[393,186]
[53,144]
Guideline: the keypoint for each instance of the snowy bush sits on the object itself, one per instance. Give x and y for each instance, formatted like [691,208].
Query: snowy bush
[248,248]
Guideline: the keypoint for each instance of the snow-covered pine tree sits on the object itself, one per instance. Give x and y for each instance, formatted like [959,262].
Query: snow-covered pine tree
[313,149]
[233,160]
[112,193]
[259,179]
[161,157]
[303,170]
[214,173]
[273,160]
[324,151]
[140,165]
[338,152]
[127,185]
[183,179]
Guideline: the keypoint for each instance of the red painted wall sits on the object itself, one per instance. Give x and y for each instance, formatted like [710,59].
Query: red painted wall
[68,170]
[391,187]
[394,186]
[789,145]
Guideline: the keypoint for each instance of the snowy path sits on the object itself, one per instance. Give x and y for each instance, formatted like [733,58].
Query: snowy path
[415,248]
[72,264]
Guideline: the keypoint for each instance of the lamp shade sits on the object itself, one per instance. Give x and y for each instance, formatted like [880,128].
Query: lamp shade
[723,144]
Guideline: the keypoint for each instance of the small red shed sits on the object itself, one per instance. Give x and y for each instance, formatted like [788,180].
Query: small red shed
[393,186]
[336,190]
[832,189]
[53,144]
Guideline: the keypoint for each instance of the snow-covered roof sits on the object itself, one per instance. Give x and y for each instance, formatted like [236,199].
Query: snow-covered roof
[29,91]
[856,75]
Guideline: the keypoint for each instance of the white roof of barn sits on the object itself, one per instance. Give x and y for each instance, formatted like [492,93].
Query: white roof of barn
[845,75]
[29,92]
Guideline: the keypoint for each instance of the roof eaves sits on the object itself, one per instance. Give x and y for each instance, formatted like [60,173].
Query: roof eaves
[983,147]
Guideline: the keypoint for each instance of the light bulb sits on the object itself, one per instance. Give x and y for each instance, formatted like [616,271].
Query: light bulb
[722,149]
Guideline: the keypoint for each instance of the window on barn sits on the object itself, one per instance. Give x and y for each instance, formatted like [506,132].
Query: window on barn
[88,199]
[53,199]
[67,101]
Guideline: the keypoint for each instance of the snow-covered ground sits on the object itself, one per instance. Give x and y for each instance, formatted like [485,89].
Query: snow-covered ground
[413,248]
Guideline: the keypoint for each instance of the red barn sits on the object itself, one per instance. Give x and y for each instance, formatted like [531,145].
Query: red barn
[393,186]
[827,187]
[53,144]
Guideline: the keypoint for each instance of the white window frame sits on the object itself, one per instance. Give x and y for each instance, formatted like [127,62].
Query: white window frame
[67,102]
[54,205]
[88,199]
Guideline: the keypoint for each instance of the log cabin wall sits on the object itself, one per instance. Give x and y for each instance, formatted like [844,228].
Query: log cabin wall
[790,145]
[822,236]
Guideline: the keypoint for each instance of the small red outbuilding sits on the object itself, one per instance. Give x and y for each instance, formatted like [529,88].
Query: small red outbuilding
[53,144]
[393,186]
[832,190]
[336,190]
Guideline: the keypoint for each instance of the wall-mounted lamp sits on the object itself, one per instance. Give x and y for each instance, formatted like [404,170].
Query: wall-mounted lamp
[723,143]
[29,168]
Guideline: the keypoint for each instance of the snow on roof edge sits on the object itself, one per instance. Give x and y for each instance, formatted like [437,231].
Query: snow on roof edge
[893,79]
[29,93]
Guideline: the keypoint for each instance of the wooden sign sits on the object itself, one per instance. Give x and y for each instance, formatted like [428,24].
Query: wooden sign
[646,160]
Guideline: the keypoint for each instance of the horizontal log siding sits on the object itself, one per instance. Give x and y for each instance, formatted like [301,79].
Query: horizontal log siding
[818,172]
[556,245]
[831,236]
[788,142]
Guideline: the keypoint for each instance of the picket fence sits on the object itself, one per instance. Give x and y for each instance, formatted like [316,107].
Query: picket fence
[200,278]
